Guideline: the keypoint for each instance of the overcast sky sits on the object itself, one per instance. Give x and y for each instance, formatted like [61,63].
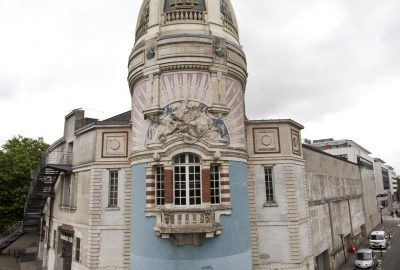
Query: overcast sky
[333,66]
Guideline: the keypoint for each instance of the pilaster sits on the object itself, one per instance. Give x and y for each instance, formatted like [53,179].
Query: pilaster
[94,219]
[253,218]
[127,218]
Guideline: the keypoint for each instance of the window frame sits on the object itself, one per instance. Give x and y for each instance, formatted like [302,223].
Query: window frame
[269,187]
[187,172]
[215,184]
[77,249]
[159,183]
[113,185]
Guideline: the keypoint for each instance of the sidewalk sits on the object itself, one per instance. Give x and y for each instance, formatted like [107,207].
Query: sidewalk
[8,260]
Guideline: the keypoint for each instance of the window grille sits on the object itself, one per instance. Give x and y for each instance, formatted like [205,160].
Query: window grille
[215,184]
[269,189]
[113,191]
[187,180]
[159,177]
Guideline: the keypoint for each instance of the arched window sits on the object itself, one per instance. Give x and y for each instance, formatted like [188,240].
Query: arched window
[187,180]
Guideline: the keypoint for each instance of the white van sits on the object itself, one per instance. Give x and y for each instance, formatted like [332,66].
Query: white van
[365,259]
[378,239]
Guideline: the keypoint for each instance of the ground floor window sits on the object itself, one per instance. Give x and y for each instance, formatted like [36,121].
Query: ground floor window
[77,249]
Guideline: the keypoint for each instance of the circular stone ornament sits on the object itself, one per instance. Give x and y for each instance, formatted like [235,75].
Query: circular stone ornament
[115,144]
[266,140]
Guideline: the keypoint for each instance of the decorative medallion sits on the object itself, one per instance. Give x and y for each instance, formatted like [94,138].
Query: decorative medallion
[115,145]
[188,120]
[266,140]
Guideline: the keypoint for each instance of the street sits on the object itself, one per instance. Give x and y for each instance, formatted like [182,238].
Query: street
[390,259]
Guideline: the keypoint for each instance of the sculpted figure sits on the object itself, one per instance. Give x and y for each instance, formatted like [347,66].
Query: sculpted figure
[188,121]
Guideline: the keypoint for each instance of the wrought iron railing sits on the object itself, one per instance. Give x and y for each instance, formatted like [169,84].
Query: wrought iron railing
[17,226]
[59,158]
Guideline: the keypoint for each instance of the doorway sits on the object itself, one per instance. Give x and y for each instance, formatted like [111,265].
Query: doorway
[322,261]
[65,249]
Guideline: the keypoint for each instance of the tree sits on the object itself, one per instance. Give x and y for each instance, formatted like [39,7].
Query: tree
[18,157]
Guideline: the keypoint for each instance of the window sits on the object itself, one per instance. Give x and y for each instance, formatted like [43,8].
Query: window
[215,185]
[54,239]
[385,179]
[77,249]
[66,190]
[187,180]
[159,177]
[269,189]
[69,190]
[113,189]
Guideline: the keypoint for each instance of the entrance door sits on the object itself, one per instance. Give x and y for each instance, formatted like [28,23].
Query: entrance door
[322,261]
[67,255]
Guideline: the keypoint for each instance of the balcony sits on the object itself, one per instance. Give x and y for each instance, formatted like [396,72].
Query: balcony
[189,226]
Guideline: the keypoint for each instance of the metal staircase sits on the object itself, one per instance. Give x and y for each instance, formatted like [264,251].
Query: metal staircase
[42,187]
[10,235]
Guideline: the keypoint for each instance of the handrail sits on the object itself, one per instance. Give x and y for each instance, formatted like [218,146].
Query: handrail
[59,157]
[11,230]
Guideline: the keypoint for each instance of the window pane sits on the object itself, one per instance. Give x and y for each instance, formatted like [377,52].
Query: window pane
[187,180]
[159,177]
[113,189]
[77,249]
[215,186]
[269,190]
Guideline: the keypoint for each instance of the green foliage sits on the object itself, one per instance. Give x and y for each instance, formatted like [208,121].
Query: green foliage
[18,157]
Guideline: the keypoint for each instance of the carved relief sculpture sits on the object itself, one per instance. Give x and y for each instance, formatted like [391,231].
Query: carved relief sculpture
[188,120]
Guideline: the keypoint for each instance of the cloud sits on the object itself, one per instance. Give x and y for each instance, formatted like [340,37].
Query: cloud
[316,57]
[9,87]
[320,62]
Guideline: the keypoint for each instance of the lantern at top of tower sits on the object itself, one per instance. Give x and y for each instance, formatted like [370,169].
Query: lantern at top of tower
[166,17]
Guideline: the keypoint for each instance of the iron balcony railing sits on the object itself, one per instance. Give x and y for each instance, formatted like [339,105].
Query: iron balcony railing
[17,226]
[58,158]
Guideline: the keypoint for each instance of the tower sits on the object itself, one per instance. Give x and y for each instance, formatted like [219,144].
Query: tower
[187,77]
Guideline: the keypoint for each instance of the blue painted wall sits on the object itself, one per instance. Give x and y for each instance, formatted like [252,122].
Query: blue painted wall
[230,251]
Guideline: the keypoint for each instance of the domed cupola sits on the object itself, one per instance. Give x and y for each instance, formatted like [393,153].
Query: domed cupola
[159,17]
[187,77]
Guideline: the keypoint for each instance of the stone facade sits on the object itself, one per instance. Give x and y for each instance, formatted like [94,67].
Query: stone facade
[184,180]
[80,208]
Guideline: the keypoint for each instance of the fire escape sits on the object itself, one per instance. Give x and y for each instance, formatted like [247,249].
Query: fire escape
[42,187]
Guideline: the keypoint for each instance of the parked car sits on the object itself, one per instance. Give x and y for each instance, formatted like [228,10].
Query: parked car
[365,259]
[378,239]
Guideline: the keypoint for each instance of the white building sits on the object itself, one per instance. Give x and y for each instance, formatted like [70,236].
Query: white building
[345,149]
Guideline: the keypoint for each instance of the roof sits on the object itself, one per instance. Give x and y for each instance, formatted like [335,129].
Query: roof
[378,232]
[379,160]
[117,120]
[338,142]
[123,117]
